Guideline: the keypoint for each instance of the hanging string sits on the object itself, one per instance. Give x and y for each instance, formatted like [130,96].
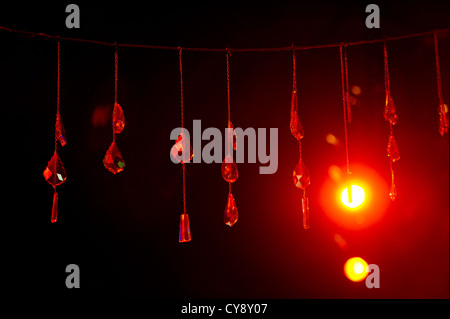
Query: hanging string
[180,61]
[347,94]
[57,94]
[344,104]
[443,109]
[156,47]
[228,85]
[116,69]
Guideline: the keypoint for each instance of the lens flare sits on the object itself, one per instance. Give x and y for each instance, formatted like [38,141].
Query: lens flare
[358,196]
[356,269]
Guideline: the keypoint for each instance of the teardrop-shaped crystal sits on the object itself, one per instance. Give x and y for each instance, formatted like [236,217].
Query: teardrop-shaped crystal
[55,173]
[181,144]
[301,176]
[184,234]
[230,216]
[392,149]
[295,124]
[113,160]
[60,131]
[390,114]
[393,191]
[305,211]
[229,170]
[118,119]
[443,119]
[55,207]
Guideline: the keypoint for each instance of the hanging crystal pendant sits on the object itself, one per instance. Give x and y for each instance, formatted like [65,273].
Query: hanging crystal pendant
[185,229]
[295,124]
[113,160]
[390,114]
[55,173]
[60,131]
[118,119]
[55,207]
[392,149]
[393,191]
[181,144]
[305,210]
[443,119]
[230,216]
[301,175]
[229,170]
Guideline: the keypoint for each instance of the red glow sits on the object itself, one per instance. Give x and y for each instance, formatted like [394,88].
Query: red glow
[375,201]
[356,269]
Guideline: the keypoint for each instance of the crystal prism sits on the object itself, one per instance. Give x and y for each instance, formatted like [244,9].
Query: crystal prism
[392,149]
[113,160]
[295,124]
[55,173]
[305,211]
[301,175]
[393,191]
[230,216]
[60,131]
[118,119]
[55,208]
[443,119]
[229,170]
[182,143]
[390,114]
[185,229]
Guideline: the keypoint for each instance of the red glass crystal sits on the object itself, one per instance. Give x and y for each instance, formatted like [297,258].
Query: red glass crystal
[392,149]
[301,175]
[118,119]
[55,208]
[55,173]
[177,149]
[443,119]
[60,131]
[305,211]
[390,114]
[185,229]
[113,160]
[295,124]
[230,216]
[229,170]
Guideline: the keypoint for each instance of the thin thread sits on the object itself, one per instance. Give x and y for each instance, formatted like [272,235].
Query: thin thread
[344,104]
[438,70]
[347,95]
[180,62]
[116,69]
[228,86]
[332,45]
[294,74]
[387,83]
[57,92]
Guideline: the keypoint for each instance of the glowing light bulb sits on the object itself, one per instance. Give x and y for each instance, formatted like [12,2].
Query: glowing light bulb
[358,197]
[356,269]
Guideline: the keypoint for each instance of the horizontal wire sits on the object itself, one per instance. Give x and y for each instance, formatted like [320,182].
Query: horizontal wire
[289,48]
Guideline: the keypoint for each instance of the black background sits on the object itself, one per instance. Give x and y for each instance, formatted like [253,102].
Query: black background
[122,230]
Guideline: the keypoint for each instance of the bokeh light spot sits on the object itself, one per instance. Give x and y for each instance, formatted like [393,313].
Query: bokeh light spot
[356,269]
[358,196]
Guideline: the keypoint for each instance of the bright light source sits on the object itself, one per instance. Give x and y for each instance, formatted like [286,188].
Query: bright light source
[358,197]
[356,269]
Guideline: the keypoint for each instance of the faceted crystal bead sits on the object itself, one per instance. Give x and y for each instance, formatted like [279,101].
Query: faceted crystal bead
[393,191]
[392,149]
[113,160]
[181,144]
[55,208]
[443,119]
[54,173]
[305,211]
[229,170]
[230,216]
[390,114]
[301,175]
[118,119]
[60,131]
[185,229]
[295,124]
